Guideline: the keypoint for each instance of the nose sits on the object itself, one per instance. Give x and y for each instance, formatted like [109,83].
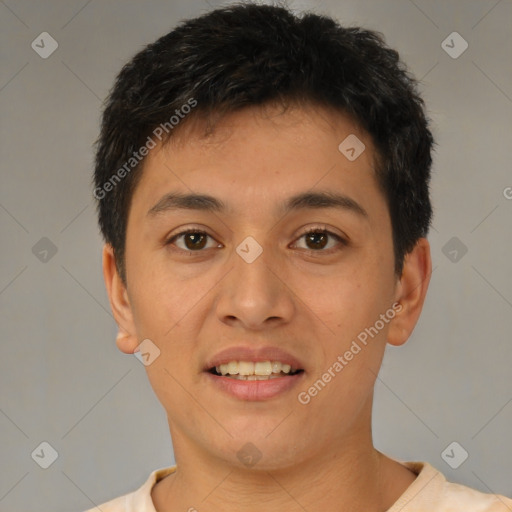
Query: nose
[255,294]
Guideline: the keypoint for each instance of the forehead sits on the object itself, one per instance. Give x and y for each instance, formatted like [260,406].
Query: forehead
[257,156]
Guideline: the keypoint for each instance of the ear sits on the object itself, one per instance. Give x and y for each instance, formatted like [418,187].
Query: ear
[126,338]
[410,292]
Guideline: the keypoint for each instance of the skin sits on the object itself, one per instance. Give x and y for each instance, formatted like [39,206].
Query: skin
[312,304]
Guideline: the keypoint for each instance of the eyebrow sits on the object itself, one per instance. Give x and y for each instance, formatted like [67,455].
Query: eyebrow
[305,200]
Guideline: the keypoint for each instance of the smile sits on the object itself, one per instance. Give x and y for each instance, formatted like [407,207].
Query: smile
[259,370]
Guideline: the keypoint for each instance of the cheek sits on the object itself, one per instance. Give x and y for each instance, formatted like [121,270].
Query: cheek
[351,304]
[349,299]
[166,309]
[159,301]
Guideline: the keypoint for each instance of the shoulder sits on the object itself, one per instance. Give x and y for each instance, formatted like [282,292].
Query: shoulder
[136,501]
[460,497]
[432,492]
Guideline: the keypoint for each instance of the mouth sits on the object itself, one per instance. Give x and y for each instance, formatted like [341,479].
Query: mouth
[254,370]
[251,373]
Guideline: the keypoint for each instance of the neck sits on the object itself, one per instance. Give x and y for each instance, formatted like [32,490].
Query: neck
[359,478]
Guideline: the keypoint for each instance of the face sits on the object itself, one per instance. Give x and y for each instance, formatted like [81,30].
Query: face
[273,270]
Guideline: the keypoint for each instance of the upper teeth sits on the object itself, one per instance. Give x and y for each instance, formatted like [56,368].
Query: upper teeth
[250,368]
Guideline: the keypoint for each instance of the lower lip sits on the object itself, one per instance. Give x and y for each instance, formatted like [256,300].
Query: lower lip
[254,390]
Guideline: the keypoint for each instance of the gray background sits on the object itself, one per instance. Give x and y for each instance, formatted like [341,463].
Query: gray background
[63,381]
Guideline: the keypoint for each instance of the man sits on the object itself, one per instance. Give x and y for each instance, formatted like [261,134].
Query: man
[262,185]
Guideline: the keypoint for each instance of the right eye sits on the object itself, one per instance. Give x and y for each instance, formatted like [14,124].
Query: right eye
[194,240]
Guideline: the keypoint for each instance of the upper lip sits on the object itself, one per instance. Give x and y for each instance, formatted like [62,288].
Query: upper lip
[256,354]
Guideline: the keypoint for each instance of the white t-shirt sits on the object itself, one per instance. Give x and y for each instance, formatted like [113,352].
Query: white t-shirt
[430,492]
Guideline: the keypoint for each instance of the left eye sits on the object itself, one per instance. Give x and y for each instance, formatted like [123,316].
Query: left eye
[319,239]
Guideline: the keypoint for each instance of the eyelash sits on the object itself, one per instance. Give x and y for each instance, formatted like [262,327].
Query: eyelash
[315,230]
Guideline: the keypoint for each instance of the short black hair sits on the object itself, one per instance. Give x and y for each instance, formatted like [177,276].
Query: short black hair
[252,55]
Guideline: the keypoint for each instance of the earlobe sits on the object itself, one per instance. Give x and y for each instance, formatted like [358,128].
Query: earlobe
[126,338]
[124,341]
[410,292]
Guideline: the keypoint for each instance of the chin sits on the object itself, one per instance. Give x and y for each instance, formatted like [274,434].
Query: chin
[261,453]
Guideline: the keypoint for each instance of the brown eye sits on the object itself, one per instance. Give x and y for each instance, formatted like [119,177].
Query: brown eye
[193,240]
[197,240]
[317,239]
